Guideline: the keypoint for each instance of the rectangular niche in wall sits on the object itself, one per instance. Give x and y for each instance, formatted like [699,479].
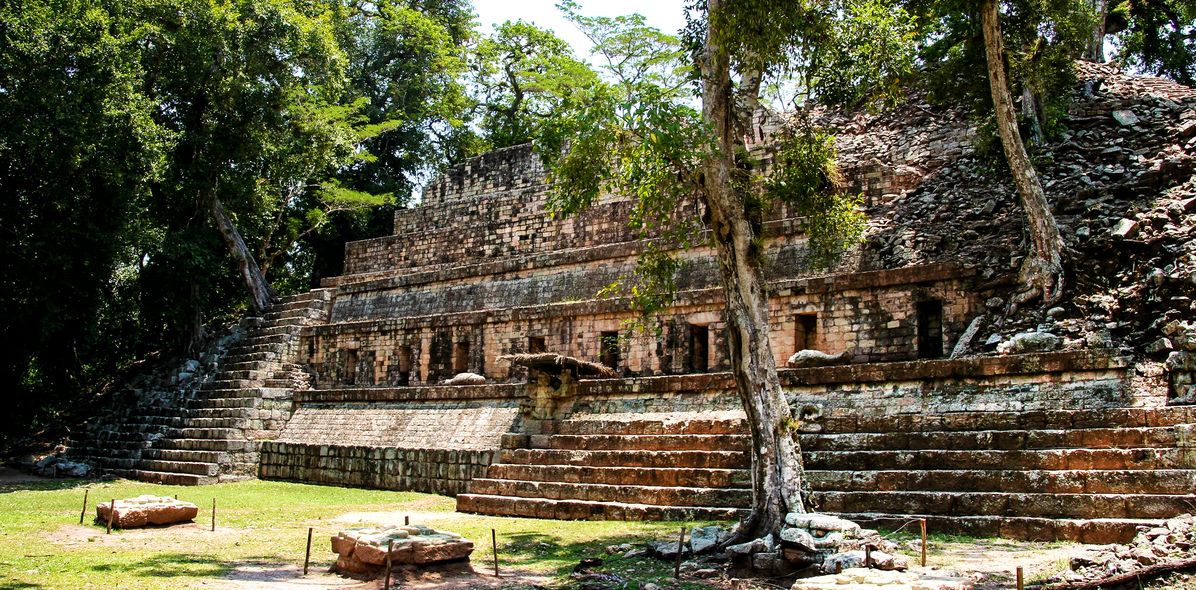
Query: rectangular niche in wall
[350,373]
[805,334]
[608,343]
[406,360]
[461,357]
[699,348]
[930,329]
[536,345]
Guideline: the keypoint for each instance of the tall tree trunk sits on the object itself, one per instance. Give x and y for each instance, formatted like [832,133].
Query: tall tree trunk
[777,472]
[260,292]
[1042,271]
[1096,45]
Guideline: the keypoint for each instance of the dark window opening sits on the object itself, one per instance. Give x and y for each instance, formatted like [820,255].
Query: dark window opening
[609,343]
[406,359]
[699,347]
[930,329]
[461,357]
[806,332]
[350,366]
[536,345]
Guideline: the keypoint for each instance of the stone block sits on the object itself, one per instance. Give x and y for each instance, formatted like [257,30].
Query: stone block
[146,511]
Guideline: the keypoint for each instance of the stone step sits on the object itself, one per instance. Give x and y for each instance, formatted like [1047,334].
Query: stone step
[1029,420]
[246,413]
[209,433]
[1033,460]
[253,375]
[647,427]
[219,384]
[245,352]
[644,442]
[1096,531]
[224,424]
[208,469]
[633,494]
[266,393]
[247,357]
[1092,438]
[256,365]
[656,476]
[1162,481]
[679,459]
[581,510]
[295,313]
[1073,506]
[206,444]
[173,479]
[179,455]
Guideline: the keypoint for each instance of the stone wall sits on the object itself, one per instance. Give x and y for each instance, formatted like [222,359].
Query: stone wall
[874,315]
[423,439]
[1018,383]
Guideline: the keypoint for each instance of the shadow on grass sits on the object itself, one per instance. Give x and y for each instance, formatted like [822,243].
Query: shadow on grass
[7,583]
[520,548]
[167,565]
[45,485]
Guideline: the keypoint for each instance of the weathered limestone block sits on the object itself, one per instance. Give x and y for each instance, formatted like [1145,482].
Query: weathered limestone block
[465,379]
[817,358]
[146,510]
[364,550]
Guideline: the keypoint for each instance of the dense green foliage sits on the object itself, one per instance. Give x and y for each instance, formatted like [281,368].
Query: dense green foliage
[120,121]
[1157,36]
[525,77]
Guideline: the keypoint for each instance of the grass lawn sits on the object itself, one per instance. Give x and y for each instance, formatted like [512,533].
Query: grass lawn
[264,525]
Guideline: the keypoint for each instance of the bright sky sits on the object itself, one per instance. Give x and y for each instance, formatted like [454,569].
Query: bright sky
[666,15]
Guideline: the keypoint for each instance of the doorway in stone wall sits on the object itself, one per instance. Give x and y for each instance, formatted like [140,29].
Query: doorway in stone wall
[930,329]
[699,349]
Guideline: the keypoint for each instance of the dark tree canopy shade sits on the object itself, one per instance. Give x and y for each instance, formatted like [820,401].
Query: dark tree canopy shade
[123,122]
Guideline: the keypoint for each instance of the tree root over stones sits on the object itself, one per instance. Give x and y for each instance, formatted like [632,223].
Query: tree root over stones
[1126,580]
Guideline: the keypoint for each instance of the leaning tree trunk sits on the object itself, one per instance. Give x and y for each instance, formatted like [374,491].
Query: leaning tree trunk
[777,471]
[1042,271]
[260,292]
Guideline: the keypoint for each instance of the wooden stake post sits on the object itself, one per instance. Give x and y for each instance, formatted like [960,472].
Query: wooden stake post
[680,552]
[390,545]
[1020,582]
[84,513]
[494,543]
[213,515]
[923,521]
[307,556]
[111,514]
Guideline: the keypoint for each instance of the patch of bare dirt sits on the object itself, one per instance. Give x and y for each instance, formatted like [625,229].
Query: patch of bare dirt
[993,564]
[180,537]
[454,576]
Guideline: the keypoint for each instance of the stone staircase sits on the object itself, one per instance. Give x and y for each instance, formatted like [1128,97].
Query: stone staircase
[213,434]
[216,438]
[673,468]
[1084,475]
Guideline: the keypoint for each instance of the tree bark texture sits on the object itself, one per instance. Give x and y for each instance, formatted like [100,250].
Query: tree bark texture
[260,292]
[777,472]
[1096,45]
[1042,271]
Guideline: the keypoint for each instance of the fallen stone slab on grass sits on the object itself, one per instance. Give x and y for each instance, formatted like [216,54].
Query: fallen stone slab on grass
[870,579]
[146,511]
[362,551]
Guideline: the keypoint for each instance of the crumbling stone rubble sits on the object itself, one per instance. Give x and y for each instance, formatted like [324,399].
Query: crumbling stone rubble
[363,551]
[1170,542]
